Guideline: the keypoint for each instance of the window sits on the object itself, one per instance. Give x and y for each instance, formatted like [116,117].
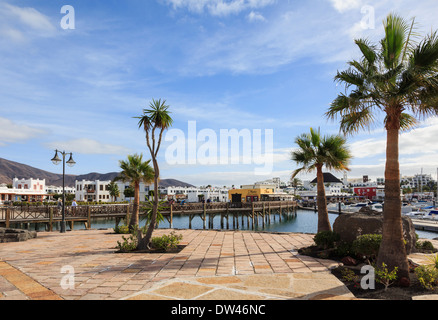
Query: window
[101,187]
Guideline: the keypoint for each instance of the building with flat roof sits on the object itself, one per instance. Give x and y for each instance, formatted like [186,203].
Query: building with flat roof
[29,190]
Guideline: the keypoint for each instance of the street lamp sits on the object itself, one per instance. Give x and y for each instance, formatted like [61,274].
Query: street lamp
[56,160]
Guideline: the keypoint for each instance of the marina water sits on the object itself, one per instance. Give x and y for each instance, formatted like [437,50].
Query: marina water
[304,221]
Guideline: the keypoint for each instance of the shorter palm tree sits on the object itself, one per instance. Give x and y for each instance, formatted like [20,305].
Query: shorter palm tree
[313,153]
[135,171]
[113,190]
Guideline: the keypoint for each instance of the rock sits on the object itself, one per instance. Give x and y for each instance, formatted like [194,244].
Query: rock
[349,261]
[16,235]
[404,282]
[351,225]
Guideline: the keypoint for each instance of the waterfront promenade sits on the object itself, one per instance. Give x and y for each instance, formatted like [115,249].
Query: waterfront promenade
[214,265]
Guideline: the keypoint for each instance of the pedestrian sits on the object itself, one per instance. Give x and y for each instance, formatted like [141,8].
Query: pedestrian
[59,206]
[73,207]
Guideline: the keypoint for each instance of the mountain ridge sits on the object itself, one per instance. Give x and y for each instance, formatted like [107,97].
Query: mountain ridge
[11,169]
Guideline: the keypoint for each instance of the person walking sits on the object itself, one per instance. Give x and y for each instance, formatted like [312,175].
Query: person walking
[59,206]
[73,207]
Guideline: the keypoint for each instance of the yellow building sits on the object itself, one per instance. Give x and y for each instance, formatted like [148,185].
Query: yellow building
[250,195]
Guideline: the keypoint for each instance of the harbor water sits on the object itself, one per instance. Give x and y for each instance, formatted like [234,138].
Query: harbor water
[302,221]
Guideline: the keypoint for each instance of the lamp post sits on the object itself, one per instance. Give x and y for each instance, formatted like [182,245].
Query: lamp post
[56,160]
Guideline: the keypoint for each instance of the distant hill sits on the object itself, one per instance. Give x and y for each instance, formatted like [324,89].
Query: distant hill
[10,169]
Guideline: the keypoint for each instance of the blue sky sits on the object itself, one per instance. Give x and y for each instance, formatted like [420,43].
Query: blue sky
[243,64]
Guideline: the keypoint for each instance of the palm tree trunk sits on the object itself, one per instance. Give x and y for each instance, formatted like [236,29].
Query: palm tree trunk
[323,220]
[134,217]
[145,241]
[392,250]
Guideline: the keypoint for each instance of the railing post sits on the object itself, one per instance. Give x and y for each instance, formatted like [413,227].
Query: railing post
[171,216]
[205,213]
[51,219]
[8,217]
[88,218]
[127,215]
[252,214]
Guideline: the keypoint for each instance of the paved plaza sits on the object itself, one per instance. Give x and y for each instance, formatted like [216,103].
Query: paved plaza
[214,265]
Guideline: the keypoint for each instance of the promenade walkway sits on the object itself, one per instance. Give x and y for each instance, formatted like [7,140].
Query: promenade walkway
[217,265]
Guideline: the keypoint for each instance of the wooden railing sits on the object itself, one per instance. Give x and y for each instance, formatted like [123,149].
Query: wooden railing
[30,212]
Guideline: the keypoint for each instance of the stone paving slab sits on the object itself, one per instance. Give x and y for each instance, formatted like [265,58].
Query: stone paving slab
[84,265]
[293,286]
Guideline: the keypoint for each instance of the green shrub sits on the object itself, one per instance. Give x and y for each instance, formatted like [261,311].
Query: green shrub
[344,249]
[166,242]
[367,245]
[326,239]
[425,245]
[434,261]
[128,244]
[349,275]
[427,276]
[384,276]
[122,230]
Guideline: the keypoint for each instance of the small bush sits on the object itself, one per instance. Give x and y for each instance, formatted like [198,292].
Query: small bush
[122,230]
[427,276]
[349,275]
[127,244]
[434,261]
[166,242]
[367,245]
[384,276]
[344,249]
[425,245]
[326,239]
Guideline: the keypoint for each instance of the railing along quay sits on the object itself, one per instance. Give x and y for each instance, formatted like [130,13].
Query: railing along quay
[255,213]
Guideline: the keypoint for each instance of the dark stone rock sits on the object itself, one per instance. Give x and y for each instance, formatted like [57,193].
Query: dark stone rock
[349,261]
[16,235]
[351,225]
[404,282]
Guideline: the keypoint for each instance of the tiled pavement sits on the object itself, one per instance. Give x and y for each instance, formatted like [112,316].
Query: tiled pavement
[214,265]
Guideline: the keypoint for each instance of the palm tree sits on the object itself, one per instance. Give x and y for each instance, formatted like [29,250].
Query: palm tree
[313,153]
[113,190]
[154,120]
[295,182]
[399,78]
[135,171]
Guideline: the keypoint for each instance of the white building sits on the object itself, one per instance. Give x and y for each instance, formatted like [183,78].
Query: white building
[144,191]
[417,181]
[194,194]
[58,190]
[214,194]
[92,191]
[30,190]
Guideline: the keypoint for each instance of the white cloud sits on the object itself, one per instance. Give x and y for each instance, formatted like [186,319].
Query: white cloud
[255,16]
[11,132]
[88,146]
[16,22]
[344,5]
[219,7]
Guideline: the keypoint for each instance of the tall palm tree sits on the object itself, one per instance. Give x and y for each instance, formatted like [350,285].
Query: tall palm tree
[154,121]
[313,153]
[399,78]
[135,171]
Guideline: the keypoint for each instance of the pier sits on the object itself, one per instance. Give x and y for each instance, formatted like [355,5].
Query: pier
[231,215]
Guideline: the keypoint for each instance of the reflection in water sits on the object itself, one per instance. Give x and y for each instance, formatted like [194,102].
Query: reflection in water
[303,221]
